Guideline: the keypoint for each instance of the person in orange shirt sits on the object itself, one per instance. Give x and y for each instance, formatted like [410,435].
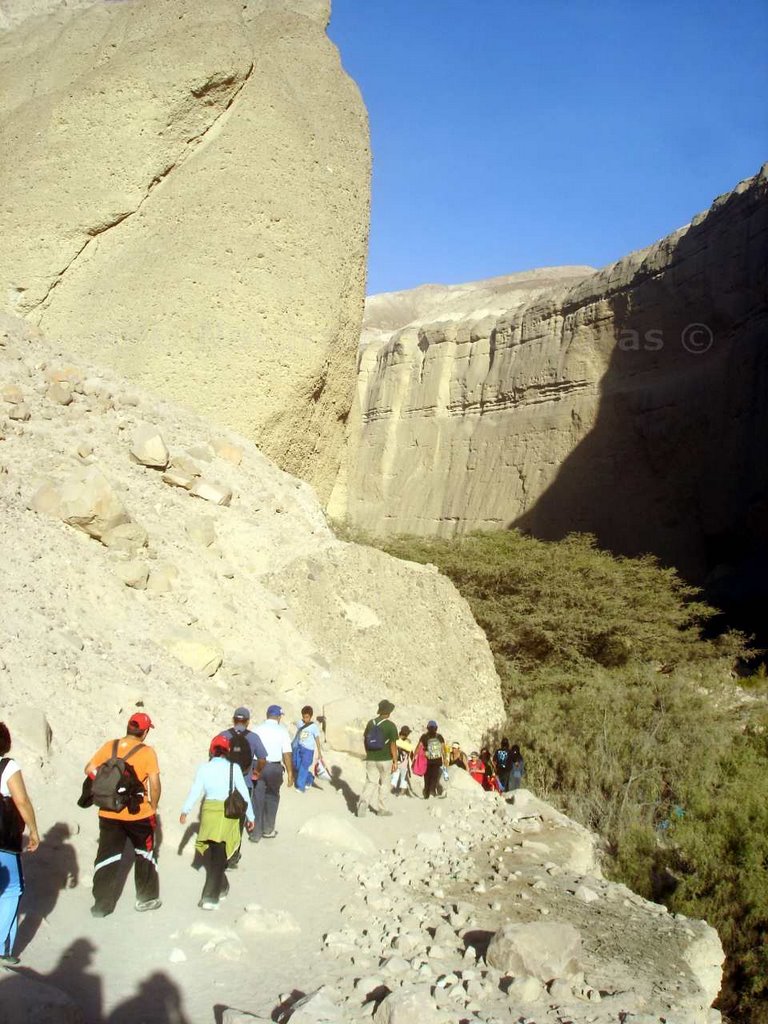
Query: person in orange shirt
[115,827]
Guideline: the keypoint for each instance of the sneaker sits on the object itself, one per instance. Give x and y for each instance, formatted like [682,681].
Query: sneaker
[254,838]
[148,904]
[208,904]
[100,912]
[270,835]
[362,809]
[384,814]
[10,960]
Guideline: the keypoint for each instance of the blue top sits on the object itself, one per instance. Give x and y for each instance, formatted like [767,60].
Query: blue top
[306,735]
[212,782]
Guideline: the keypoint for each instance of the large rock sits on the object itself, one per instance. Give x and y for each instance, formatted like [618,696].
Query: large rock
[544,949]
[85,499]
[195,179]
[471,418]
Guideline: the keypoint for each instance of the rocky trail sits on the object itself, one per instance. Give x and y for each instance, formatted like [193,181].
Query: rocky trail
[465,909]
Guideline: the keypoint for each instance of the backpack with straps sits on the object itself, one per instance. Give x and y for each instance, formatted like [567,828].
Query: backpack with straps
[116,785]
[433,748]
[11,821]
[373,737]
[240,750]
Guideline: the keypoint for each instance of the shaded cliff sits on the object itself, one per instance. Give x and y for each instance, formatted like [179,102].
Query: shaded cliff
[631,404]
[188,203]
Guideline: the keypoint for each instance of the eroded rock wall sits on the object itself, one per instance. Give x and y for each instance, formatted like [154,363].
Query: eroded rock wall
[188,203]
[631,404]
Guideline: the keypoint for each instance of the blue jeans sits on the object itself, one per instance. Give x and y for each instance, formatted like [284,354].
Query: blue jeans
[302,763]
[11,888]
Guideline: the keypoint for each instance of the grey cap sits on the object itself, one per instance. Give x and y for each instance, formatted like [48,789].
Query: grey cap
[242,714]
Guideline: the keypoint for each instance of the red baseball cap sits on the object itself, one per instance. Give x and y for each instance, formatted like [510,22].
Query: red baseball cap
[219,742]
[140,721]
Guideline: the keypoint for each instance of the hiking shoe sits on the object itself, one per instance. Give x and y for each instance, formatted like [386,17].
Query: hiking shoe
[208,904]
[100,912]
[10,960]
[148,904]
[362,809]
[270,835]
[254,838]
[384,814]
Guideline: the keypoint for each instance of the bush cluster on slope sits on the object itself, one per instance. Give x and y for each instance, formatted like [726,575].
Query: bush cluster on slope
[627,717]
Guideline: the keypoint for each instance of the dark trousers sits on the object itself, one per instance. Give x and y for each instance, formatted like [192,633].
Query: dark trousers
[266,799]
[503,776]
[113,835]
[215,863]
[432,777]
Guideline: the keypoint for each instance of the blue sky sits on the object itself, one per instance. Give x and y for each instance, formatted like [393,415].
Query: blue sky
[508,135]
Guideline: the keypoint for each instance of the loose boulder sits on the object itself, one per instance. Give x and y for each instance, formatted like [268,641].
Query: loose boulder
[543,949]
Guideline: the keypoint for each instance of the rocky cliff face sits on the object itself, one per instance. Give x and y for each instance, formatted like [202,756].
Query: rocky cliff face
[631,404]
[188,203]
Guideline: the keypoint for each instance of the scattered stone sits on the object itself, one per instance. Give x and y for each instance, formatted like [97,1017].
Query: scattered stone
[585,894]
[134,574]
[215,493]
[177,956]
[198,652]
[230,452]
[178,478]
[408,1005]
[185,465]
[85,449]
[149,448]
[84,500]
[128,537]
[544,950]
[316,1008]
[258,921]
[20,413]
[560,990]
[162,579]
[12,394]
[201,529]
[31,726]
[60,394]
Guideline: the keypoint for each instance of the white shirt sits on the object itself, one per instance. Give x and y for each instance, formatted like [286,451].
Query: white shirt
[10,769]
[275,738]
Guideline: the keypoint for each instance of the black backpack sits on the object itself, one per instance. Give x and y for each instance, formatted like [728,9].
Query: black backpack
[240,750]
[373,737]
[11,821]
[116,785]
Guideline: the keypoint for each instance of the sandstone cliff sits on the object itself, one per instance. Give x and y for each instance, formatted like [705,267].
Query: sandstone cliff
[187,202]
[631,404]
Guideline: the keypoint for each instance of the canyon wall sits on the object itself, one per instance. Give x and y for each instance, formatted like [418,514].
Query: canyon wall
[631,404]
[187,202]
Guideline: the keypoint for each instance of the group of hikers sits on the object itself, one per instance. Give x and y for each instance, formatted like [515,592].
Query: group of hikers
[392,761]
[239,786]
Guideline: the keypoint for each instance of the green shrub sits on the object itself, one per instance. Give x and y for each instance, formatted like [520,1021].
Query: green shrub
[627,718]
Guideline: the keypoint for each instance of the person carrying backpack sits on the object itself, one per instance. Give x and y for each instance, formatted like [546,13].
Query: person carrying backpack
[248,752]
[380,742]
[125,786]
[434,751]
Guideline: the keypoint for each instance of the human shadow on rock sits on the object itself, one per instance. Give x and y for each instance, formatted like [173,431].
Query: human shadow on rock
[53,869]
[157,1001]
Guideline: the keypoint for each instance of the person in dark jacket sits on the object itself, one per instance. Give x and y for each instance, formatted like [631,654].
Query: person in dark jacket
[433,745]
[503,763]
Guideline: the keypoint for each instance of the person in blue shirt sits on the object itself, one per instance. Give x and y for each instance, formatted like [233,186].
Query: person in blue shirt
[305,747]
[218,837]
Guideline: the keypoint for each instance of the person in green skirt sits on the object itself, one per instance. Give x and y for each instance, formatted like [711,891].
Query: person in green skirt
[218,837]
